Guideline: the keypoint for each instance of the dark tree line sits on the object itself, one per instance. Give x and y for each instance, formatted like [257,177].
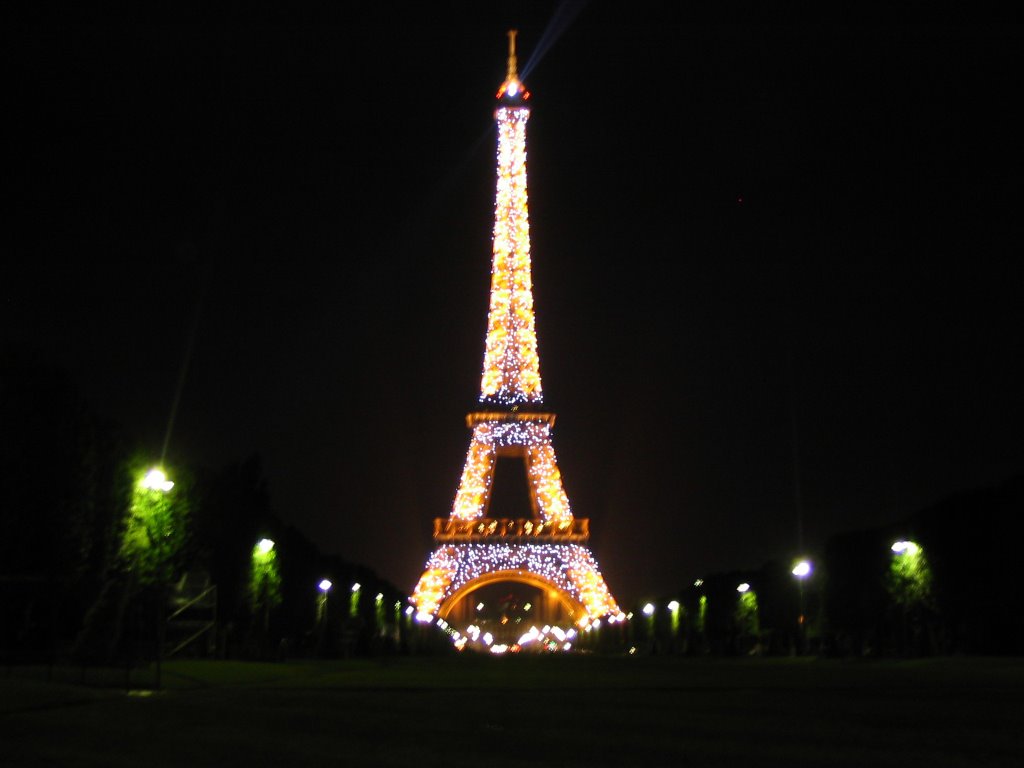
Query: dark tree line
[957,595]
[67,590]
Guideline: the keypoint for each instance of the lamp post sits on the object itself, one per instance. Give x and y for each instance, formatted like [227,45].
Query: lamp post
[264,573]
[746,619]
[909,584]
[801,571]
[353,605]
[324,586]
[154,518]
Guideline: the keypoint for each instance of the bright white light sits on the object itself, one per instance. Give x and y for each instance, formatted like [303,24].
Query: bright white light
[698,582]
[529,637]
[408,611]
[479,606]
[325,585]
[648,610]
[499,648]
[356,587]
[674,605]
[424,618]
[156,480]
[264,546]
[488,638]
[905,548]
[802,569]
[743,587]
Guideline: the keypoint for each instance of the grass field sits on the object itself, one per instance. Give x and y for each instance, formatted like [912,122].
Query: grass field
[527,710]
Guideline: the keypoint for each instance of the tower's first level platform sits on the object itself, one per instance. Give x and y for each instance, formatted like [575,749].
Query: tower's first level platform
[575,530]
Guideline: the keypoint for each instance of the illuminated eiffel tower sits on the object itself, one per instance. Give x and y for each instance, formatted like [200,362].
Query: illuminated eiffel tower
[546,550]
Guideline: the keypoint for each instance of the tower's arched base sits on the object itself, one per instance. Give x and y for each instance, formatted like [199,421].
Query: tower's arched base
[565,576]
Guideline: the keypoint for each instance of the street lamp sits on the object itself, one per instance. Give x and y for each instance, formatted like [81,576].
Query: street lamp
[324,586]
[266,580]
[801,570]
[156,480]
[353,602]
[741,588]
[909,548]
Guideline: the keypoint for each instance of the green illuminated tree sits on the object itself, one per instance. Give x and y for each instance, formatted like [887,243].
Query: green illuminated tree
[748,624]
[264,580]
[156,529]
[909,581]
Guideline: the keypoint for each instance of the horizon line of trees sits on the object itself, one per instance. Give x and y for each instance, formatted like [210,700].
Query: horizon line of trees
[953,591]
[88,565]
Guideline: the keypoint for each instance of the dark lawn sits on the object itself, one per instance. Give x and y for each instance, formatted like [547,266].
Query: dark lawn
[528,711]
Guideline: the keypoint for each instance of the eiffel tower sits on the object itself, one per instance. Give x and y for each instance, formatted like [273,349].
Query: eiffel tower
[547,550]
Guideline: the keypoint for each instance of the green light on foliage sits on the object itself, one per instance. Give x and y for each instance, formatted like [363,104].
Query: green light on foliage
[747,621]
[702,613]
[265,578]
[155,529]
[353,602]
[909,581]
[674,613]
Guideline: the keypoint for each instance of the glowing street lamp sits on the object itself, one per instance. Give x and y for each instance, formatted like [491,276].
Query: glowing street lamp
[905,548]
[156,480]
[673,608]
[263,546]
[324,586]
[741,588]
[802,569]
[266,579]
[353,604]
[648,609]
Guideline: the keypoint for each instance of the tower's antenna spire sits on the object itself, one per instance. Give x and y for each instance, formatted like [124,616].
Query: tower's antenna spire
[512,74]
[512,91]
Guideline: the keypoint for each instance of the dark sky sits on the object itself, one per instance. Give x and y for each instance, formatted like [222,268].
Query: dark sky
[741,234]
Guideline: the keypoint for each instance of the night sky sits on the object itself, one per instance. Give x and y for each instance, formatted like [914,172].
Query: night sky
[777,268]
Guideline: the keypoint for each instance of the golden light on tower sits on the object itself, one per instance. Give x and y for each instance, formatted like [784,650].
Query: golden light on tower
[511,371]
[548,549]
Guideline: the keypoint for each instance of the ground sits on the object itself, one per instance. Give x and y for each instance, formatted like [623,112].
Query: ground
[522,711]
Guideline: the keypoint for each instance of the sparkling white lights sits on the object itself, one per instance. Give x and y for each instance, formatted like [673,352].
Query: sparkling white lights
[569,568]
[534,437]
[511,366]
[547,549]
